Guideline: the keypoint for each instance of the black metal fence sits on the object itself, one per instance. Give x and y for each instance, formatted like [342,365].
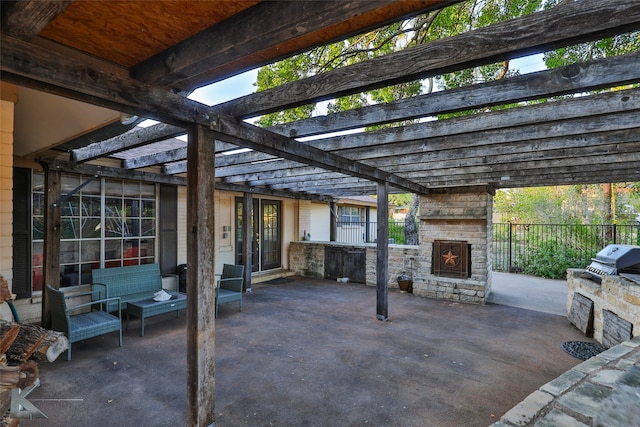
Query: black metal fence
[527,247]
[545,250]
[367,232]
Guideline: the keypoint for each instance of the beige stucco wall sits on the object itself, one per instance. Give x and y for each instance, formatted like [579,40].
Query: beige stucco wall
[224,205]
[320,222]
[8,97]
[225,246]
[225,253]
[182,225]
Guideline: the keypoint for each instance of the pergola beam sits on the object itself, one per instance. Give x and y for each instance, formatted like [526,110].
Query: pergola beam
[155,159]
[534,33]
[572,78]
[126,141]
[598,74]
[569,79]
[266,191]
[26,18]
[20,61]
[209,54]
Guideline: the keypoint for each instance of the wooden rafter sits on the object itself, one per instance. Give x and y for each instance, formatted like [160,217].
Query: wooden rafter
[131,139]
[534,33]
[196,60]
[26,18]
[23,61]
[569,79]
[155,159]
[598,74]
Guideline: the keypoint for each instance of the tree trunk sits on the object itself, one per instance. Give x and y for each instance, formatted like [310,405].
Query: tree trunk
[410,228]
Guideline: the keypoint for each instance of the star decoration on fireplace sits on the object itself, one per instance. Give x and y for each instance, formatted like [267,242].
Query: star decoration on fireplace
[450,258]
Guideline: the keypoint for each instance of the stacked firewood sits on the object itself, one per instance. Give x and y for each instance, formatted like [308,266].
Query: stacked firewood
[21,345]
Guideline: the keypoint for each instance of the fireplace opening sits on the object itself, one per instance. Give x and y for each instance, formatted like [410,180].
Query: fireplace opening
[451,258]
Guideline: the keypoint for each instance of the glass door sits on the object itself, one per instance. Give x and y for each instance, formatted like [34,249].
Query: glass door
[270,245]
[266,240]
[255,253]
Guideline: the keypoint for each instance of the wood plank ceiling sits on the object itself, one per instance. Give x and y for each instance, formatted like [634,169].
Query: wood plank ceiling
[141,57]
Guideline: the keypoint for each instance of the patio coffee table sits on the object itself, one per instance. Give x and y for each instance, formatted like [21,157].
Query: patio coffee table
[148,307]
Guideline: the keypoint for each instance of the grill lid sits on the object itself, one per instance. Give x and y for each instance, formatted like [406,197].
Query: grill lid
[616,259]
[621,255]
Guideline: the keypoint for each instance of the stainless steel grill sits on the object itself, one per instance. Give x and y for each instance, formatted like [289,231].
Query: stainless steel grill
[615,260]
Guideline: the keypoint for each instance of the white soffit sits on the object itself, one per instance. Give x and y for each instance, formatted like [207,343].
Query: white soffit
[43,121]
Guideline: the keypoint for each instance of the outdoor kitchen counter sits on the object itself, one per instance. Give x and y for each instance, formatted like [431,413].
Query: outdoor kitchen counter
[615,296]
[601,391]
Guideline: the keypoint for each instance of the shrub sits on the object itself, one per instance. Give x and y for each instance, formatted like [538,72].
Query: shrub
[550,259]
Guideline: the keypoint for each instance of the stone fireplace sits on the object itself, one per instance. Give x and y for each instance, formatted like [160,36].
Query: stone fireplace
[463,220]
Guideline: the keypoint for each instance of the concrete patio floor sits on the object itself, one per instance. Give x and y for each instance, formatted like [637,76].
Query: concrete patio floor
[532,293]
[310,352]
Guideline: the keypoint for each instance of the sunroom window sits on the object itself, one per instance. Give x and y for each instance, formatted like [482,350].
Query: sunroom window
[106,223]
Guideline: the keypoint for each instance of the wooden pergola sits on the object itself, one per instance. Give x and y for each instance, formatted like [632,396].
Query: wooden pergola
[141,58]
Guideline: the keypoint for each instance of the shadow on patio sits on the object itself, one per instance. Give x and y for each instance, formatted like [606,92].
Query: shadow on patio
[311,352]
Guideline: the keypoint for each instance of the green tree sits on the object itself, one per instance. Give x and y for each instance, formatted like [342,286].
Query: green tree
[421,29]
[572,204]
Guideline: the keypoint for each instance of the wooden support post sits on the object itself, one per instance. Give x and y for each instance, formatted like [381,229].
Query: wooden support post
[382,259]
[333,222]
[367,221]
[51,267]
[247,242]
[200,279]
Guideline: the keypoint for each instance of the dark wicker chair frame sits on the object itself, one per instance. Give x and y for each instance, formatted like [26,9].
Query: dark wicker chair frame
[230,285]
[87,324]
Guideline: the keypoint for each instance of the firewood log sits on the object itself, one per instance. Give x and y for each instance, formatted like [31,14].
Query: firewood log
[8,333]
[37,343]
[9,376]
[5,294]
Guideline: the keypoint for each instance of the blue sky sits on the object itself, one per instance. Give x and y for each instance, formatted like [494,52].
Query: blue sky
[228,89]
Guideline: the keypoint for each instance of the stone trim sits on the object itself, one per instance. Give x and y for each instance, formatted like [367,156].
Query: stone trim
[601,391]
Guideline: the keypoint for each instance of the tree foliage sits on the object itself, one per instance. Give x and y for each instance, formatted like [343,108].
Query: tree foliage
[573,204]
[611,46]
[421,29]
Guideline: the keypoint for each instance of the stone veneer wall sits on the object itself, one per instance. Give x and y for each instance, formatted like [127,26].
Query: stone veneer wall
[307,259]
[615,293]
[465,217]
